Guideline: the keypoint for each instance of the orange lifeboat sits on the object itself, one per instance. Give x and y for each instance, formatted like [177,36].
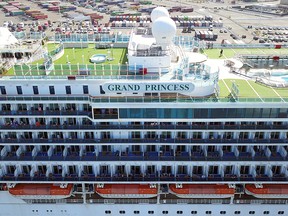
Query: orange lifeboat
[201,190]
[267,190]
[126,190]
[41,191]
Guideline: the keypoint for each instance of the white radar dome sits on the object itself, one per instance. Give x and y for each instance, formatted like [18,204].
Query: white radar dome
[163,30]
[159,12]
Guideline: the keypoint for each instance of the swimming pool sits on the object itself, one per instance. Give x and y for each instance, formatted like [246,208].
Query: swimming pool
[98,58]
[285,78]
[274,75]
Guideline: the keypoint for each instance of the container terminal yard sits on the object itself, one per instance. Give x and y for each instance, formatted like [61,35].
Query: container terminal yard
[234,22]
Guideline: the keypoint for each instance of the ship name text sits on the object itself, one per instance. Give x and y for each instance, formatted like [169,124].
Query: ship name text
[148,87]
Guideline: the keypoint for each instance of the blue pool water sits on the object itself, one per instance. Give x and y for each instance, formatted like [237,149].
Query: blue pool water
[285,78]
[98,58]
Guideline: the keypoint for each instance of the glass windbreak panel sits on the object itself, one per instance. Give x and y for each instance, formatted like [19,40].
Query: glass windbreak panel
[199,113]
[257,113]
[135,113]
[248,113]
[218,113]
[202,113]
[274,113]
[266,113]
[150,113]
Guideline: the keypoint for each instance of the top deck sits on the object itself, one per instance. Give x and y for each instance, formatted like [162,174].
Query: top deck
[76,60]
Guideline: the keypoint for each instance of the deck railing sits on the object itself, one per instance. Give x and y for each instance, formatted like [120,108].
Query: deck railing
[146,99]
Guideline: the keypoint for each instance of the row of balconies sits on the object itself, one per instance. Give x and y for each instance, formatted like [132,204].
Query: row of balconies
[73,139]
[47,112]
[149,178]
[66,125]
[82,173]
[148,152]
[145,156]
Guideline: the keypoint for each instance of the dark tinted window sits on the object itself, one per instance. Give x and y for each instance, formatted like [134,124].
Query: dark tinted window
[3,90]
[52,90]
[68,89]
[35,90]
[85,89]
[19,90]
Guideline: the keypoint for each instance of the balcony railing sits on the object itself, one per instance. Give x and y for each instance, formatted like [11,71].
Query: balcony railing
[141,156]
[144,178]
[130,99]
[68,126]
[46,113]
[144,140]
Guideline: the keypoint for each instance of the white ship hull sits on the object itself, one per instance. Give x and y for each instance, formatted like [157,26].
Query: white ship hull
[267,196]
[10,205]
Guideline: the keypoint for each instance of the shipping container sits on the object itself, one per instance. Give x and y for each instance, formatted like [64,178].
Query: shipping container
[186,10]
[32,12]
[16,12]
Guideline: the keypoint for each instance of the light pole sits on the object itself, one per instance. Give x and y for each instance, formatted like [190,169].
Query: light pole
[112,51]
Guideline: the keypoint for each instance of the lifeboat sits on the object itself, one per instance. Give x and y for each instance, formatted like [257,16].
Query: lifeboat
[41,191]
[267,190]
[201,190]
[126,190]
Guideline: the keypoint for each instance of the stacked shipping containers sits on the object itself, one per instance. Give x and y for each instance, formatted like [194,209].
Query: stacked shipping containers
[206,35]
[36,14]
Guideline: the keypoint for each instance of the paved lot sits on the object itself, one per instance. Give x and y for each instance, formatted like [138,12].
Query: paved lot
[235,22]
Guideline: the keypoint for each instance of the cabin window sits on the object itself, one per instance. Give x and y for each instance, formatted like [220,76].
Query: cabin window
[266,212]
[19,90]
[179,212]
[122,212]
[237,212]
[280,212]
[208,212]
[85,89]
[35,90]
[3,90]
[52,90]
[150,212]
[136,212]
[68,89]
[107,212]
[222,212]
[193,212]
[251,212]
[164,212]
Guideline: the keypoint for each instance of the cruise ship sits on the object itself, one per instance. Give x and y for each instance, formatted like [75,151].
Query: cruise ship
[169,133]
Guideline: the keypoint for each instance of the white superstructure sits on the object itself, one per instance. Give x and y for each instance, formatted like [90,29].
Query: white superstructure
[154,141]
